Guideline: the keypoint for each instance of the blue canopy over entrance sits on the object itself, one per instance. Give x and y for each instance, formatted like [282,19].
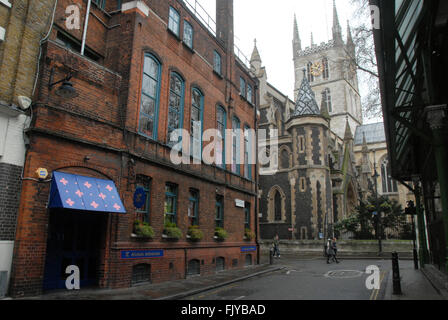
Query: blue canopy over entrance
[77,192]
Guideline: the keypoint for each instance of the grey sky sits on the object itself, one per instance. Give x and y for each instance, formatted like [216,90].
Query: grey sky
[271,23]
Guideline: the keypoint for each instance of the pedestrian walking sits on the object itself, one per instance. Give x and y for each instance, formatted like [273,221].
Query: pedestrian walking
[276,245]
[332,250]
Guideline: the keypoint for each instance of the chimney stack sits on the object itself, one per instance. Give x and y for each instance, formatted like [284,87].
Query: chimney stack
[224,23]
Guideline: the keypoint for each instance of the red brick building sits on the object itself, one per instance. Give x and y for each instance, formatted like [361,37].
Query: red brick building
[148,68]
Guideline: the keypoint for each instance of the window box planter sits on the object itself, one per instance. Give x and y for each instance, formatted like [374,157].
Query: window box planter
[249,235]
[220,234]
[142,230]
[195,234]
[171,232]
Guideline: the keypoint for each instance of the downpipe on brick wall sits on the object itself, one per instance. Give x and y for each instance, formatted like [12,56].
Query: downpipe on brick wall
[86,26]
[41,42]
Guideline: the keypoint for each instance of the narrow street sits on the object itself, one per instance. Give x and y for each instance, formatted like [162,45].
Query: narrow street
[311,279]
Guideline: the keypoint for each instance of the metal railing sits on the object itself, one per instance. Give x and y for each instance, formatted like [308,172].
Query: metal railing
[202,15]
[198,10]
[239,54]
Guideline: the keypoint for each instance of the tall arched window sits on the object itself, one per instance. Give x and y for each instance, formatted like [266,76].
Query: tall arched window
[308,72]
[236,145]
[285,161]
[279,122]
[389,185]
[149,105]
[197,107]
[248,138]
[326,68]
[327,100]
[176,106]
[221,124]
[278,206]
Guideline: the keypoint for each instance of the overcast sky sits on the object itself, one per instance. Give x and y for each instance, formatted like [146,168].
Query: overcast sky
[271,23]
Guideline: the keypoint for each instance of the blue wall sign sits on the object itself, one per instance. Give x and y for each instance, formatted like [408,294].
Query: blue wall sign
[139,197]
[248,249]
[141,254]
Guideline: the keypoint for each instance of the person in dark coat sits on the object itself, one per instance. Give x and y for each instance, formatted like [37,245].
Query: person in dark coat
[332,250]
[276,245]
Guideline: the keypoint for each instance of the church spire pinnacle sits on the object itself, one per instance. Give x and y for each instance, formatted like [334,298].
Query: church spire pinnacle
[297,43]
[255,54]
[337,30]
[348,132]
[324,108]
[350,43]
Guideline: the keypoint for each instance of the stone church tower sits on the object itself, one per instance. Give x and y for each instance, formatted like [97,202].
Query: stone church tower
[331,71]
[311,191]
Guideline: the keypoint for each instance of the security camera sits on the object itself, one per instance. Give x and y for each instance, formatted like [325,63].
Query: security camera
[24,102]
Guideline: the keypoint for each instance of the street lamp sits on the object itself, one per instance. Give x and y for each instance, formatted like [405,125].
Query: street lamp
[378,213]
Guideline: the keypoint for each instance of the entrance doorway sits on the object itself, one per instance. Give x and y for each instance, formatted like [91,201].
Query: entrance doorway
[74,238]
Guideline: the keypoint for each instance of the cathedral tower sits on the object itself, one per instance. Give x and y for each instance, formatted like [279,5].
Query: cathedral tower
[331,71]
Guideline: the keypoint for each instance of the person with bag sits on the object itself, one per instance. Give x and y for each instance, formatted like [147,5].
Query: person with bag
[276,245]
[331,250]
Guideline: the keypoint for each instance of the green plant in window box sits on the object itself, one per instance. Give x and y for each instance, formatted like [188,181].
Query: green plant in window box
[220,234]
[249,234]
[171,231]
[195,234]
[143,230]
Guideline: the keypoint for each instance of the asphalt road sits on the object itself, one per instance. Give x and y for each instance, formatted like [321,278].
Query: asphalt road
[311,279]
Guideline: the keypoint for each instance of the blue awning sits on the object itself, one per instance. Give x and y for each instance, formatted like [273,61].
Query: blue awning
[76,192]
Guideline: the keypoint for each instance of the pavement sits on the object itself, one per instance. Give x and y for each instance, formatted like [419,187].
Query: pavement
[171,290]
[414,283]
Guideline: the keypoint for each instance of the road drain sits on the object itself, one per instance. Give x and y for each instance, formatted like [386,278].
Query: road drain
[344,274]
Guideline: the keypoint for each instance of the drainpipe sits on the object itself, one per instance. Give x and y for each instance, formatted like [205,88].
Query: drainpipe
[185,263]
[86,24]
[256,175]
[436,120]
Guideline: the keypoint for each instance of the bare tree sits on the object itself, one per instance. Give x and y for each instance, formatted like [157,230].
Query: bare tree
[365,58]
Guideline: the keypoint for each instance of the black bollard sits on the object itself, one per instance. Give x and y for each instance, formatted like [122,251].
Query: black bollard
[415,259]
[396,274]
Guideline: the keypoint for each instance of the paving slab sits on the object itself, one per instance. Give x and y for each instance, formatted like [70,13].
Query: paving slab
[171,290]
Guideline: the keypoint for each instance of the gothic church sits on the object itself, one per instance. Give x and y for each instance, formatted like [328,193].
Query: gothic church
[319,178]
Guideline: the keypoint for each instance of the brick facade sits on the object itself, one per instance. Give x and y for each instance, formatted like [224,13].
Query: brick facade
[25,23]
[10,183]
[96,134]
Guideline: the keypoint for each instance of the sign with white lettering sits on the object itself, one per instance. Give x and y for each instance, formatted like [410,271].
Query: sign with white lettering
[239,203]
[248,249]
[141,254]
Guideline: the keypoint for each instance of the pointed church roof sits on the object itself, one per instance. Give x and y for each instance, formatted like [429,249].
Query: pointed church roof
[306,101]
[255,54]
